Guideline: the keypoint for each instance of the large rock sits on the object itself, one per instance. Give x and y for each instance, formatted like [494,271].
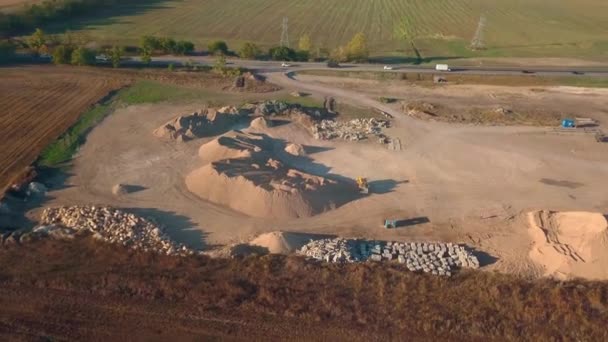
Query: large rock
[36,189]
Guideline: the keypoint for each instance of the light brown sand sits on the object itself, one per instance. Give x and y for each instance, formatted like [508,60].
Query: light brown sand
[570,244]
[246,177]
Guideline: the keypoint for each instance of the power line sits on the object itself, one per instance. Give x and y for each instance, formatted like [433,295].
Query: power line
[284,33]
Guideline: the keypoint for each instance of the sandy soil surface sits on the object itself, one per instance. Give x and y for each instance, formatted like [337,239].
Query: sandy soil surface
[570,244]
[450,182]
[534,102]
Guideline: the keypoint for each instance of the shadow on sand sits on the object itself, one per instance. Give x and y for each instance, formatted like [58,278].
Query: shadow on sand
[178,227]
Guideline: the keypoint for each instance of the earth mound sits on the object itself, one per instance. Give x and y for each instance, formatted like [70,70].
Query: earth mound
[242,172]
[260,123]
[206,122]
[295,149]
[570,244]
[283,242]
[264,187]
[233,144]
[119,189]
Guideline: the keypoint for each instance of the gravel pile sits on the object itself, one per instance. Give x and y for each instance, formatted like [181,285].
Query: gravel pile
[110,225]
[435,258]
[353,130]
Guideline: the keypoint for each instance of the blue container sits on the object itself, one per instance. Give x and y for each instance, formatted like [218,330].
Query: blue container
[567,123]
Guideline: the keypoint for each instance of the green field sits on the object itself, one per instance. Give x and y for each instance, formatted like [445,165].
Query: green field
[525,28]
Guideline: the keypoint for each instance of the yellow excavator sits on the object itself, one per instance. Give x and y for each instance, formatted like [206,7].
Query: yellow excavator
[362,184]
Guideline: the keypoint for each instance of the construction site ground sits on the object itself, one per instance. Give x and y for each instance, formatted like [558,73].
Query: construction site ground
[450,182]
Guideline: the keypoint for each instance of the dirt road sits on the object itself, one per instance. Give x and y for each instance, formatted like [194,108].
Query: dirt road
[463,183]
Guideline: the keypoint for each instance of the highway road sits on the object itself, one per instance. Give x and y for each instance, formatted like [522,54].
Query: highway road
[273,66]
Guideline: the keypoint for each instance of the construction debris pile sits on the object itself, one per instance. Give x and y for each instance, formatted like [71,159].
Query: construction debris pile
[435,258]
[206,122]
[353,130]
[107,224]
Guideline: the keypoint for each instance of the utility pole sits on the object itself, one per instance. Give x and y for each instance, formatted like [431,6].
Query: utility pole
[284,33]
[478,42]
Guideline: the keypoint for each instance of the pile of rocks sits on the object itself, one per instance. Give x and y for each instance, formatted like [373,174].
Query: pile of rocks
[110,225]
[353,130]
[435,258]
[331,250]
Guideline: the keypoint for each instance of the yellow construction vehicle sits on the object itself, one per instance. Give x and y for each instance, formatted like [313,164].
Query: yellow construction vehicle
[362,184]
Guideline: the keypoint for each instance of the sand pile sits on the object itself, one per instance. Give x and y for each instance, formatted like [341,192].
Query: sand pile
[260,123]
[264,187]
[244,174]
[282,242]
[206,122]
[570,244]
[233,144]
[295,149]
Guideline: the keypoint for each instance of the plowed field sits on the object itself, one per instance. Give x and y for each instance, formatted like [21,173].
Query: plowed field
[37,104]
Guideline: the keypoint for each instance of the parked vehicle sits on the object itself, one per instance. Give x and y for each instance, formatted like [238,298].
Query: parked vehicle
[333,64]
[285,65]
[442,67]
[388,67]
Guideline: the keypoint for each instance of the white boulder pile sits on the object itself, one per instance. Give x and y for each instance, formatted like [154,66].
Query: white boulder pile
[436,258]
[353,130]
[110,225]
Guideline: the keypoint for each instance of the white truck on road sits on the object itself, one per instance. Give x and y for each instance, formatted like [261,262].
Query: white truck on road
[442,67]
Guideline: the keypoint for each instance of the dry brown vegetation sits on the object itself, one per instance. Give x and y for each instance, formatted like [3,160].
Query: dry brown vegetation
[38,104]
[84,289]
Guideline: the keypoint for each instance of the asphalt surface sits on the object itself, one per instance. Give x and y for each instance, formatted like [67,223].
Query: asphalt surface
[273,66]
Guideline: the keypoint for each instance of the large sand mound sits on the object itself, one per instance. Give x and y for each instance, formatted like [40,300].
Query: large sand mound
[206,122]
[570,244]
[266,188]
[243,174]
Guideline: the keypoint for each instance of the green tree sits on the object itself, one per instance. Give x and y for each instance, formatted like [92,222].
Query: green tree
[282,53]
[37,41]
[356,49]
[147,46]
[218,47]
[83,56]
[249,51]
[219,66]
[305,43]
[115,54]
[170,67]
[405,31]
[62,54]
[149,43]
[167,45]
[339,54]
[184,47]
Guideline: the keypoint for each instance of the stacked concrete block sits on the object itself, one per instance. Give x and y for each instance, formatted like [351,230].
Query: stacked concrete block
[435,258]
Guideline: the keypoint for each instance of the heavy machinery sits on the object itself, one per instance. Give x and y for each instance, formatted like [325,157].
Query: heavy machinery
[362,184]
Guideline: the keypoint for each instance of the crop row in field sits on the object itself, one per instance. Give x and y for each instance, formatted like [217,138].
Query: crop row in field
[38,104]
[444,27]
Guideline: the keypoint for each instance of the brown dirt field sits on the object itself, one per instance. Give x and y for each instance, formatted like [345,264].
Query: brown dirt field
[40,103]
[84,290]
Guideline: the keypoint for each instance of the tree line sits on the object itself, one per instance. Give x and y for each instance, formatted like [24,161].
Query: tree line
[71,49]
